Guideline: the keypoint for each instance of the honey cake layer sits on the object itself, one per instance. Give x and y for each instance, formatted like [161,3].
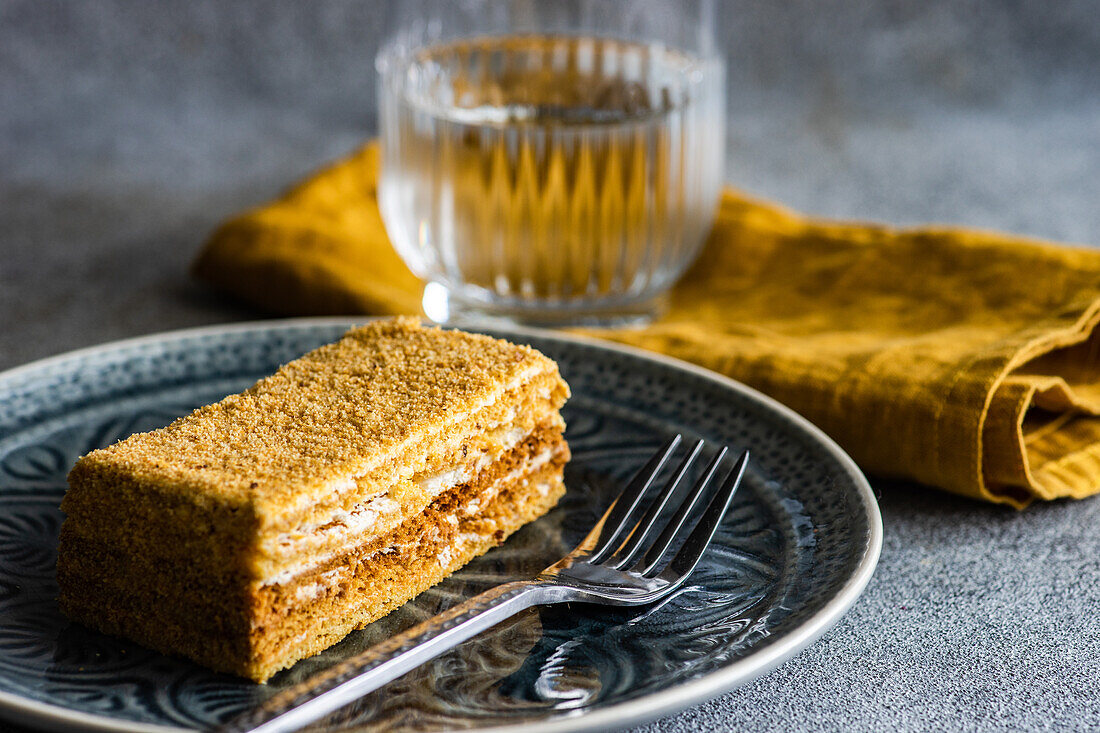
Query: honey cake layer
[284,624]
[339,411]
[219,602]
[145,530]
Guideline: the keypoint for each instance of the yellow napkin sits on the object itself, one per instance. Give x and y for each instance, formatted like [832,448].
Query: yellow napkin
[961,359]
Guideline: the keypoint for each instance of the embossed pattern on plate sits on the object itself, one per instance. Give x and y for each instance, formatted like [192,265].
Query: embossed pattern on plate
[798,546]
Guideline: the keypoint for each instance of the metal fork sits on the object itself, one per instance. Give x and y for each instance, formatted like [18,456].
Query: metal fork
[617,564]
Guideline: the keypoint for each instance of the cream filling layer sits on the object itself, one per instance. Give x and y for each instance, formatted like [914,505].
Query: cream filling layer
[374,515]
[344,533]
[334,578]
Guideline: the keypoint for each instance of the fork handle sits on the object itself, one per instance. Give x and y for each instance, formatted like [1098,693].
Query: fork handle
[349,680]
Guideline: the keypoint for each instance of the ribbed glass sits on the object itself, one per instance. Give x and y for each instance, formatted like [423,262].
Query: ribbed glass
[549,177]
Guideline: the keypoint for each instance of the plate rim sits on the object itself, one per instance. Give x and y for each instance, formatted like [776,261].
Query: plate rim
[621,715]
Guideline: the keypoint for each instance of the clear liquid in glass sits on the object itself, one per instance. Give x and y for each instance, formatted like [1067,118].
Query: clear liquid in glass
[549,179]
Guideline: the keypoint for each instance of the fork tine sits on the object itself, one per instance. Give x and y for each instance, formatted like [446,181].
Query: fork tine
[692,550]
[619,516]
[636,542]
[668,534]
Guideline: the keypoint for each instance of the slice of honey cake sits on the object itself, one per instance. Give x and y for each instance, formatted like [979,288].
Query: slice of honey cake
[262,529]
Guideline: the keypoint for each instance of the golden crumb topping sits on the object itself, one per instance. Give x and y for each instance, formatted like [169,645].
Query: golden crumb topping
[326,416]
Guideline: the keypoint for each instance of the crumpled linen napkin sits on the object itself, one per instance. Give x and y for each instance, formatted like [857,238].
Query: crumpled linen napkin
[961,359]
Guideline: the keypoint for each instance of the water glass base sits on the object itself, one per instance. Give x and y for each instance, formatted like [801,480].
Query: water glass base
[445,307]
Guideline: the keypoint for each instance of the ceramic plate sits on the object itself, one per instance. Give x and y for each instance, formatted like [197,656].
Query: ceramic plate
[798,546]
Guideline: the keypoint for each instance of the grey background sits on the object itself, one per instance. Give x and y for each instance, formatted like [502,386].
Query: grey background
[129,129]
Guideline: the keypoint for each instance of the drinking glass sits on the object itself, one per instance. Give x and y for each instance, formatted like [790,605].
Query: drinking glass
[552,163]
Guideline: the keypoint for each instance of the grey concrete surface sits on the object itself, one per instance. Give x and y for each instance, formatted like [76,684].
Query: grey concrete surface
[129,129]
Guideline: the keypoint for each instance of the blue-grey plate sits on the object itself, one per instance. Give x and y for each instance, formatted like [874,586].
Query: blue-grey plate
[799,545]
